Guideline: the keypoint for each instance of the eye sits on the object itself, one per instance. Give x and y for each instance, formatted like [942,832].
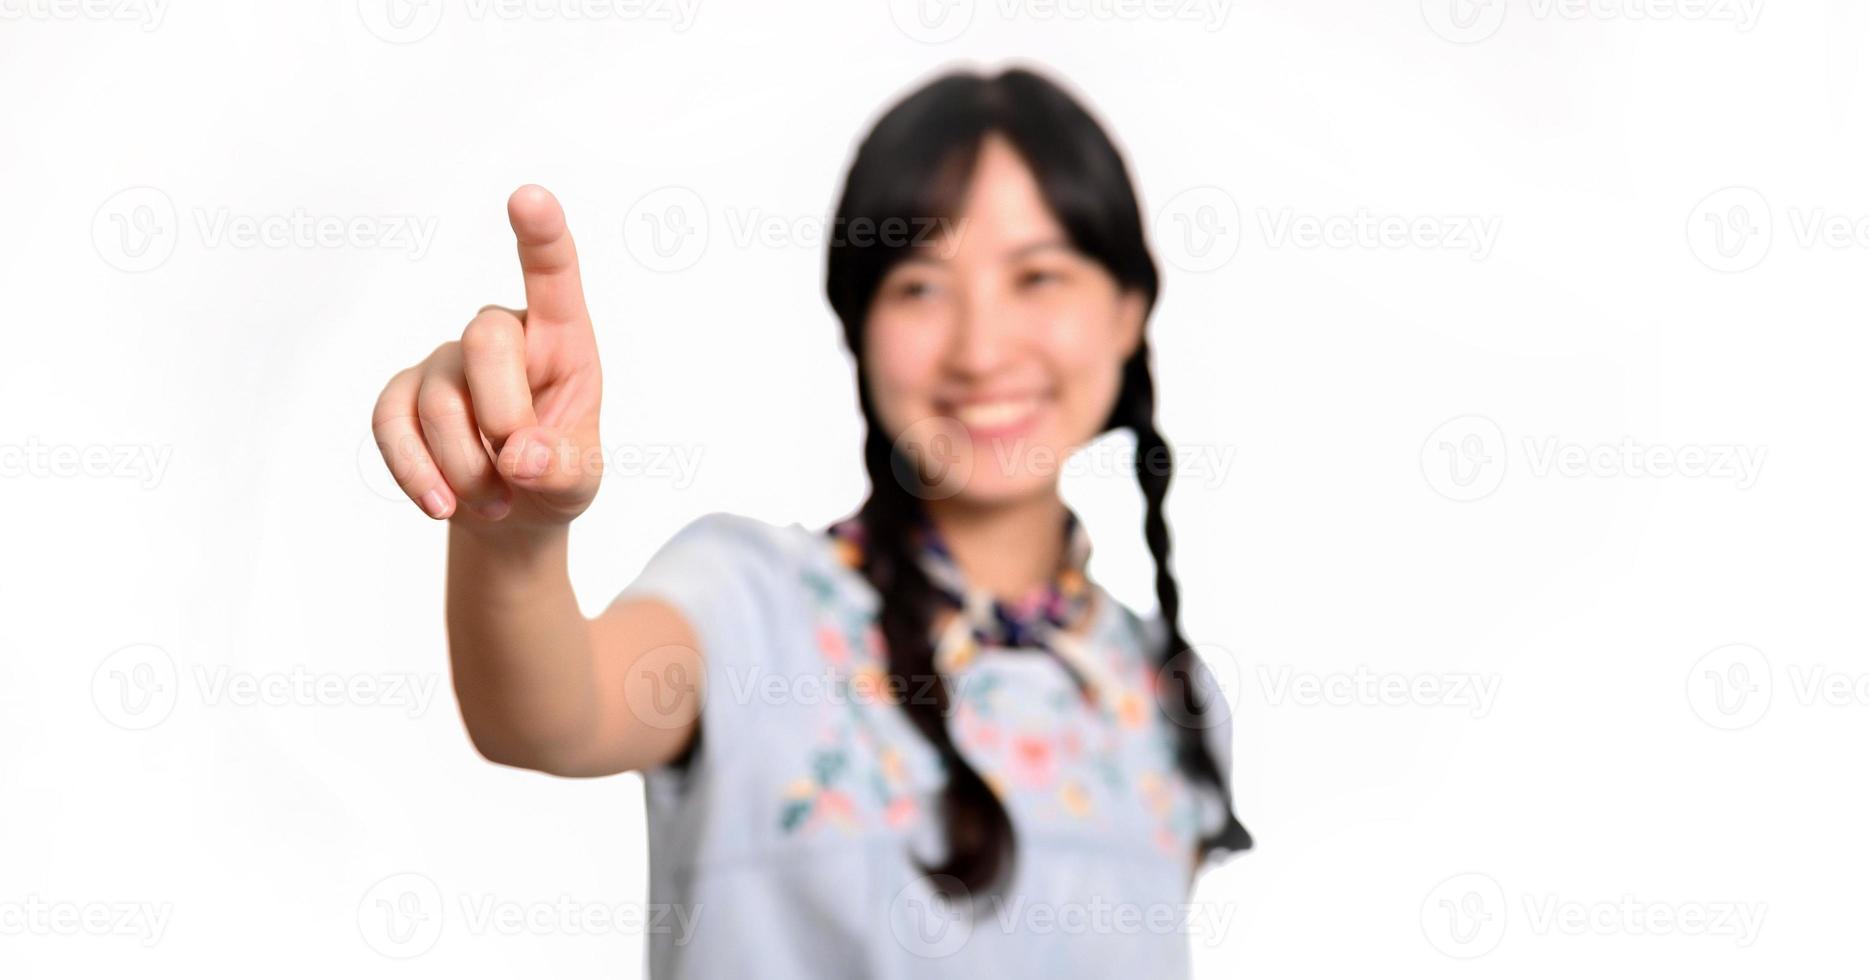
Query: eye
[910,288]
[1034,278]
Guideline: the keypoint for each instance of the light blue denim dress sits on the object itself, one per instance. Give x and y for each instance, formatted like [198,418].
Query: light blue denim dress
[789,835]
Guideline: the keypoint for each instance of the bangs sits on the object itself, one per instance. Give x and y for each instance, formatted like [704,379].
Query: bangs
[906,187]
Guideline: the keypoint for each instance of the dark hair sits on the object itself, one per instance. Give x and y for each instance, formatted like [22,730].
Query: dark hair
[910,172]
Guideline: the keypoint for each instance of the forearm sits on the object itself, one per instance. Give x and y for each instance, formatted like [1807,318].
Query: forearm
[520,647]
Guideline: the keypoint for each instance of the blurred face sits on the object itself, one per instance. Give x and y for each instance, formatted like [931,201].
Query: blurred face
[999,351]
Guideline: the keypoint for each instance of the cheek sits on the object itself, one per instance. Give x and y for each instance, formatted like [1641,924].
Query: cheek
[901,359]
[1082,349]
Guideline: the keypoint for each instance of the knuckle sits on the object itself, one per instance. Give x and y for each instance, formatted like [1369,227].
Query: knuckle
[390,402]
[440,403]
[492,333]
[445,353]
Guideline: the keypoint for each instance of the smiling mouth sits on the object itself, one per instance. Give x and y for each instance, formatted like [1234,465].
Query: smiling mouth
[999,417]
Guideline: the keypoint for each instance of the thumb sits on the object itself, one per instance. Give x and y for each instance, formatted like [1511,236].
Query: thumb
[549,462]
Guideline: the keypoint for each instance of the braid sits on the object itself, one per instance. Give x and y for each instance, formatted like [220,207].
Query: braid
[979,830]
[1154,464]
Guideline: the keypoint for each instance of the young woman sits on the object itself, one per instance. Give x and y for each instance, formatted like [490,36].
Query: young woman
[919,741]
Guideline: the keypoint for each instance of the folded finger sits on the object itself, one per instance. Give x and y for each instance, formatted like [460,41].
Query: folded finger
[493,352]
[398,436]
[446,411]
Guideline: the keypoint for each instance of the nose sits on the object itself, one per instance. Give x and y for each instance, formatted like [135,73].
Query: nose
[981,337]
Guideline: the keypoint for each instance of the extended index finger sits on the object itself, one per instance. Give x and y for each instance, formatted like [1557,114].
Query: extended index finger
[547,257]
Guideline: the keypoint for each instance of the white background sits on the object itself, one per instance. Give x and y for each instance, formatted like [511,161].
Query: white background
[1672,637]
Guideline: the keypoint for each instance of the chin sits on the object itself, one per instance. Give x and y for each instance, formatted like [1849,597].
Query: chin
[1000,493]
[1011,471]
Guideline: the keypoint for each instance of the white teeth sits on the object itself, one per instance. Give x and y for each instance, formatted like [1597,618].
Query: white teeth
[997,414]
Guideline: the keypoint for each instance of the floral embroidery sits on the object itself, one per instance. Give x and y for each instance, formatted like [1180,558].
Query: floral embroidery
[1059,757]
[835,647]
[834,794]
[1033,764]
[1076,801]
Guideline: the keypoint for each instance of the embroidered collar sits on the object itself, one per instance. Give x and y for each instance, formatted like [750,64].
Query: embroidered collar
[1045,618]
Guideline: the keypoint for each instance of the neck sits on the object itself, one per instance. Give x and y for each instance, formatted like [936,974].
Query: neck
[1007,549]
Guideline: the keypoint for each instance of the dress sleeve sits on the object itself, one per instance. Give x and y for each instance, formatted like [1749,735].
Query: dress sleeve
[723,573]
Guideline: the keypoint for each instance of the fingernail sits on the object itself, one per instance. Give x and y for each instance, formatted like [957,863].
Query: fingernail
[533,460]
[435,503]
[494,510]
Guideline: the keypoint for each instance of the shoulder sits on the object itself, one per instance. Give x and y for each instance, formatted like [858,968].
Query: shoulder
[722,567]
[720,543]
[737,531]
[1141,638]
[742,585]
